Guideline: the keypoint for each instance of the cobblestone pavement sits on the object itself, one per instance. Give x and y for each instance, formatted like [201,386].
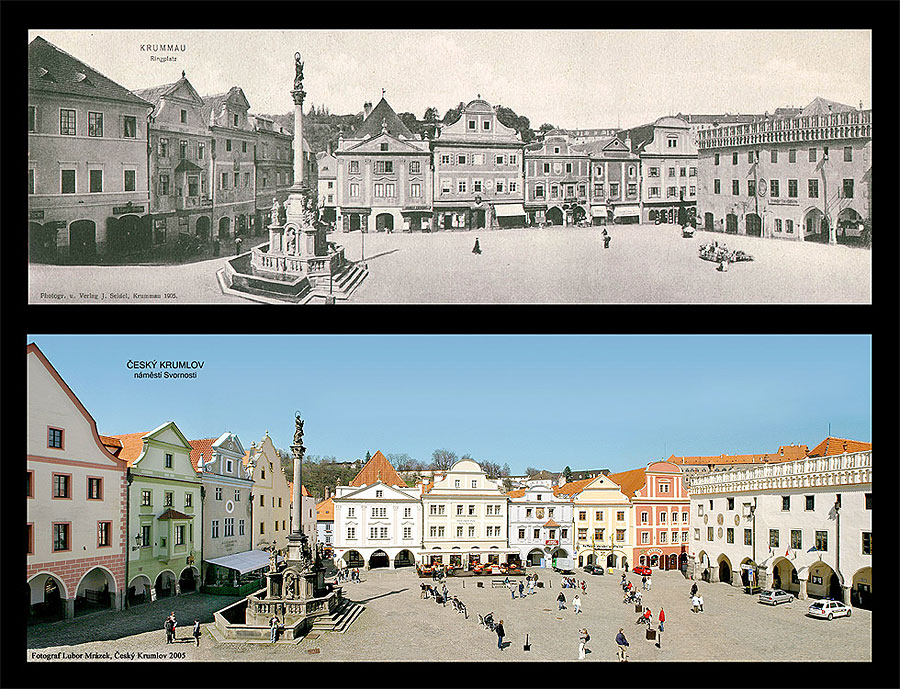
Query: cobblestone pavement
[398,625]
[644,264]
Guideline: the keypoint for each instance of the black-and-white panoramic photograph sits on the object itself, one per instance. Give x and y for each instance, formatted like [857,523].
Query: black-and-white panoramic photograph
[593,167]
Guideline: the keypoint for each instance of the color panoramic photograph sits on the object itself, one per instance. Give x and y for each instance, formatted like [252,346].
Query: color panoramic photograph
[516,498]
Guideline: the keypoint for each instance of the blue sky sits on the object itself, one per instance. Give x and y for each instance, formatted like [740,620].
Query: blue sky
[543,401]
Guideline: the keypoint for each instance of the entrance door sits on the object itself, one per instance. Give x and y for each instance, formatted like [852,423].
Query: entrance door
[203,228]
[224,227]
[379,559]
[42,242]
[754,225]
[384,222]
[448,221]
[708,221]
[355,223]
[415,223]
[554,216]
[731,223]
[82,240]
[478,219]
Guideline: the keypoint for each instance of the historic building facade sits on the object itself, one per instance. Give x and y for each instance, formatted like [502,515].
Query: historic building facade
[540,523]
[87,160]
[668,171]
[698,465]
[804,177]
[478,172]
[271,512]
[804,526]
[465,518]
[325,522]
[326,165]
[227,503]
[557,181]
[233,178]
[180,161]
[76,522]
[164,510]
[377,518]
[661,515]
[383,176]
[274,158]
[615,182]
[603,522]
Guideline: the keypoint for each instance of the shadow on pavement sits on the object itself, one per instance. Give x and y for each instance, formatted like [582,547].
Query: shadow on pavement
[389,593]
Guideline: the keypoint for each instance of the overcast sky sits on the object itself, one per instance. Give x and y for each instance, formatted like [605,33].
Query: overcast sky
[574,79]
[542,401]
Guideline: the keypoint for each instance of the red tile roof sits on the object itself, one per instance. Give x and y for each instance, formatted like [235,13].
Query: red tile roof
[572,487]
[785,453]
[174,514]
[325,510]
[112,444]
[516,493]
[131,443]
[305,493]
[378,468]
[204,446]
[551,524]
[630,481]
[838,446]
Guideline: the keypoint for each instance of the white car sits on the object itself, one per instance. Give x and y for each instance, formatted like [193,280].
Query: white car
[829,609]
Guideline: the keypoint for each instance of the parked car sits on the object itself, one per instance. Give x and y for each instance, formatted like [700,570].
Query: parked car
[643,570]
[828,609]
[593,569]
[775,596]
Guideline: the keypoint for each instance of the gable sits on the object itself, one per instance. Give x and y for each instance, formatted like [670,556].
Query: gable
[373,145]
[184,91]
[237,99]
[615,145]
[169,433]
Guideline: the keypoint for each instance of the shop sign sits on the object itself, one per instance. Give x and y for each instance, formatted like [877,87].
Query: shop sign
[119,210]
[783,202]
[35,215]
[551,542]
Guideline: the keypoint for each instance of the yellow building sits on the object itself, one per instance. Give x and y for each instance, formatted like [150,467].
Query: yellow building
[603,521]
[271,494]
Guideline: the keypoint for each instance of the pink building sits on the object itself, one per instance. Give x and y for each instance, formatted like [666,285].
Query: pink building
[661,514]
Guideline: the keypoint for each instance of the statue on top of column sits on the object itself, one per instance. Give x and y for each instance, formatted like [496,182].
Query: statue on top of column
[298,72]
[298,427]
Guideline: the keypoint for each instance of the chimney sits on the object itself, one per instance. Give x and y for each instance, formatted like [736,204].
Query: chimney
[628,142]
[327,492]
[329,147]
[367,108]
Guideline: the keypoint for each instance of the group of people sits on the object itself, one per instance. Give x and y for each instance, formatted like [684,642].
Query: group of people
[632,595]
[696,599]
[351,574]
[721,255]
[171,623]
[576,602]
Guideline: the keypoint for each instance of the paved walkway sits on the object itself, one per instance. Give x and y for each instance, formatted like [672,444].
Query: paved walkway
[398,625]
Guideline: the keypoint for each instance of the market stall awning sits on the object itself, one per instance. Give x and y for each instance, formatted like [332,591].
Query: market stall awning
[598,211]
[509,210]
[627,211]
[242,563]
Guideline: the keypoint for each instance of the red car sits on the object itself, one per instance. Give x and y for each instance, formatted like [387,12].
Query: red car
[642,570]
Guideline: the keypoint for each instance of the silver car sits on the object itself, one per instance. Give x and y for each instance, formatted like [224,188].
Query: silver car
[775,596]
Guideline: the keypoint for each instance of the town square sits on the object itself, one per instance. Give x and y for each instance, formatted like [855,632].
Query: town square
[205,199]
[290,543]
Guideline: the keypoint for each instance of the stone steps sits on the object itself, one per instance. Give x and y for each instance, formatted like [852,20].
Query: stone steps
[343,285]
[340,619]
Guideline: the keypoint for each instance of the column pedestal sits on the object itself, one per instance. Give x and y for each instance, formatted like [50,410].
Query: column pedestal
[803,595]
[70,608]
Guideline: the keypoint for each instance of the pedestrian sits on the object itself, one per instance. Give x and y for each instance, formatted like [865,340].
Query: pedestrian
[273,628]
[197,631]
[561,599]
[175,624]
[168,627]
[623,581]
[444,590]
[583,587]
[649,582]
[662,619]
[576,602]
[512,590]
[531,587]
[605,240]
[644,583]
[647,616]
[500,634]
[626,566]
[237,245]
[582,642]
[694,590]
[622,643]
[695,603]
[700,602]
[477,248]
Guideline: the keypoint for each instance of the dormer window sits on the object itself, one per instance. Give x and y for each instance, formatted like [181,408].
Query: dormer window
[183,116]
[556,149]
[472,125]
[540,497]
[81,77]
[229,466]
[235,120]
[384,147]
[486,125]
[379,493]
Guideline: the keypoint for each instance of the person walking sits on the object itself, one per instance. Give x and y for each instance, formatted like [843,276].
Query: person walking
[605,239]
[695,603]
[649,582]
[168,627]
[583,638]
[623,581]
[500,634]
[662,618]
[622,643]
[273,629]
[561,599]
[700,602]
[644,583]
[531,587]
[521,589]
[197,631]
[175,624]
[576,603]
[237,245]
[694,589]
[512,589]
[477,248]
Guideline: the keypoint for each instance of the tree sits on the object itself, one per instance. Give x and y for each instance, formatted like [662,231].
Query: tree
[504,471]
[442,459]
[531,471]
[368,455]
[546,127]
[411,122]
[430,116]
[491,469]
[567,472]
[507,484]
[403,462]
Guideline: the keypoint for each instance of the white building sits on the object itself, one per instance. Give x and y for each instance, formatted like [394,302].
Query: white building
[804,526]
[540,523]
[465,518]
[377,518]
[325,522]
[271,495]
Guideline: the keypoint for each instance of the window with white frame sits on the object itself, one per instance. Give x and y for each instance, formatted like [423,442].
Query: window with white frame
[351,533]
[645,537]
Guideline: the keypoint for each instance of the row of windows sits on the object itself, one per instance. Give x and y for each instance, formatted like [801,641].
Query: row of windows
[582,535]
[662,537]
[61,534]
[813,153]
[672,192]
[477,159]
[262,527]
[809,503]
[386,190]
[820,540]
[472,509]
[682,172]
[61,486]
[551,533]
[68,176]
[163,148]
[195,185]
[385,167]
[68,123]
[169,498]
[262,497]
[489,531]
[812,188]
[381,512]
[478,186]
[281,177]
[662,517]
[598,515]
[229,527]
[224,180]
